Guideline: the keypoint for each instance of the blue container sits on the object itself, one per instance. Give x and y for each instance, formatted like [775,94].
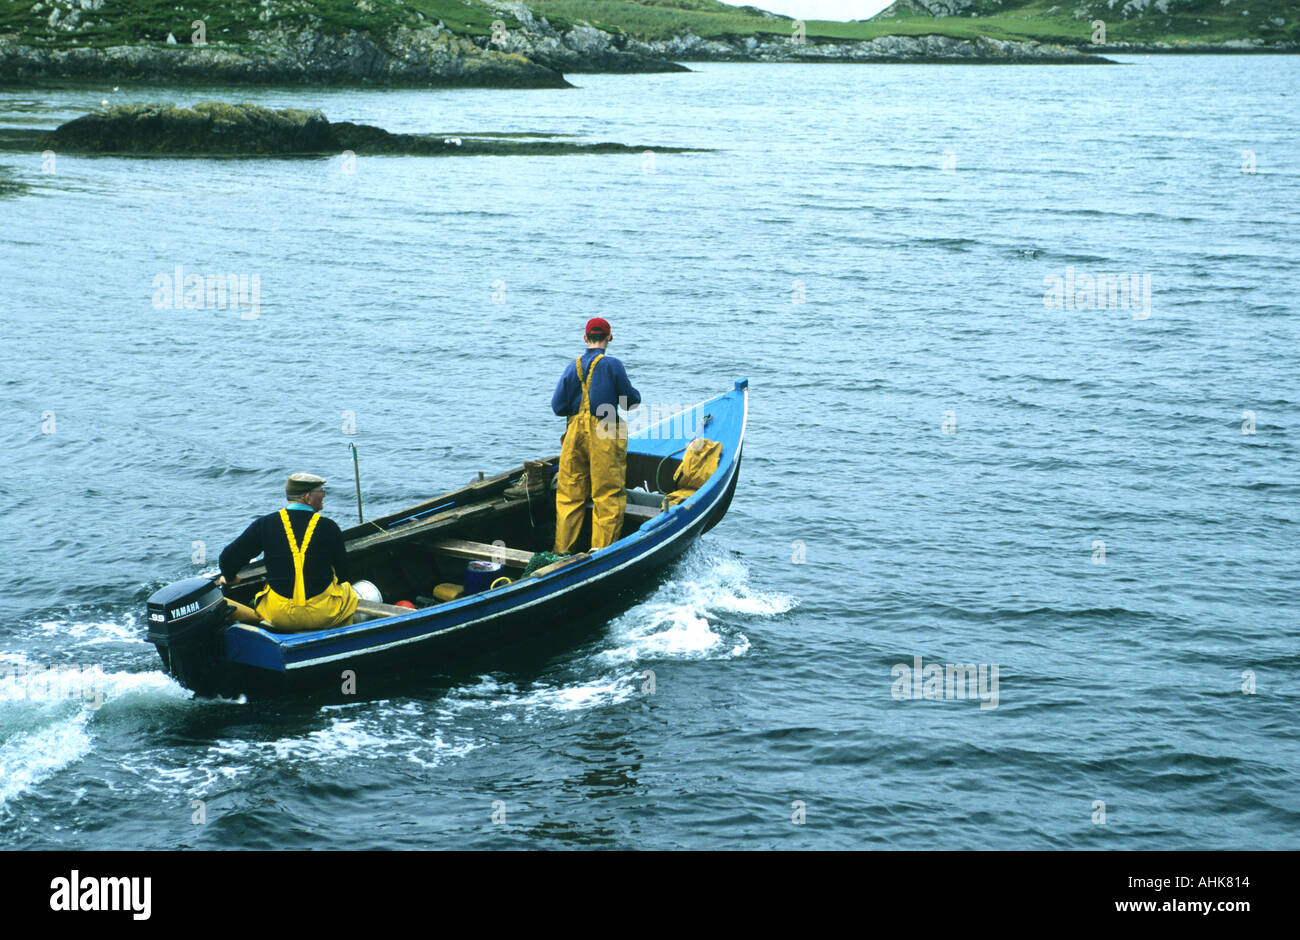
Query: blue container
[479,575]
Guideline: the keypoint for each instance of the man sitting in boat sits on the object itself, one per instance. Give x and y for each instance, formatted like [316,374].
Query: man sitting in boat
[305,558]
[593,459]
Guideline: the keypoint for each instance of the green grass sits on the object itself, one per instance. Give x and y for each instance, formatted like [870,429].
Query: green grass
[230,21]
[657,21]
[660,21]
[1189,21]
[120,22]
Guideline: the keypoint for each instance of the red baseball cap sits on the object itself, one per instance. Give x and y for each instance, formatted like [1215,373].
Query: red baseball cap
[598,325]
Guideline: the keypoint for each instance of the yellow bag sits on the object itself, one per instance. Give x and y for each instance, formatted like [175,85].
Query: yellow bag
[698,464]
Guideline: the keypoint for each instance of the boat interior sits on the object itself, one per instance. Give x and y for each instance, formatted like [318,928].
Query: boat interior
[421,554]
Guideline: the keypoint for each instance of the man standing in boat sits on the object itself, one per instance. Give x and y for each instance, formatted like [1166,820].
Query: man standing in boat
[593,459]
[305,558]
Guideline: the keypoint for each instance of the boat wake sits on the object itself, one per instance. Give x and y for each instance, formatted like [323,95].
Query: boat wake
[50,714]
[83,633]
[363,732]
[51,719]
[698,614]
[32,755]
[508,701]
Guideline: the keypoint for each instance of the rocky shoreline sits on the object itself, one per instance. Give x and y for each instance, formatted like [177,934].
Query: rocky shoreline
[981,50]
[534,55]
[430,56]
[1229,47]
[218,129]
[584,48]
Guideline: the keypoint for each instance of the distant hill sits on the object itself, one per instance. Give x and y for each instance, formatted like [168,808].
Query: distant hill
[1150,22]
[97,23]
[534,43]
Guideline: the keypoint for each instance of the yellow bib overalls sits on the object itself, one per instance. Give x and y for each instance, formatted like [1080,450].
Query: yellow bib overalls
[593,465]
[330,608]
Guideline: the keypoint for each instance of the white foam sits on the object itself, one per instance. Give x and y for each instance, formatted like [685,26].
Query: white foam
[47,717]
[389,733]
[686,618]
[30,757]
[147,692]
[681,620]
[93,632]
[441,751]
[670,633]
[31,693]
[155,775]
[677,622]
[569,698]
[488,693]
[725,587]
[88,685]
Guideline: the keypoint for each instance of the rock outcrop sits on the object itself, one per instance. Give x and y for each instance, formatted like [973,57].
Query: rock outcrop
[211,127]
[532,53]
[882,49]
[580,48]
[584,48]
[429,56]
[406,47]
[214,128]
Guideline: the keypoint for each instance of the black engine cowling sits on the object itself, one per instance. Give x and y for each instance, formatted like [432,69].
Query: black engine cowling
[187,623]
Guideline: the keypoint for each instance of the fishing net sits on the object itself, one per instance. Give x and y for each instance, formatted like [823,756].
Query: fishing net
[541,560]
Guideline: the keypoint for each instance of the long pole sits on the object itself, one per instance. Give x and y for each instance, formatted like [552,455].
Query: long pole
[356,471]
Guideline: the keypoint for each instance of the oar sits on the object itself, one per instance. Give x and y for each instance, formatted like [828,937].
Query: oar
[356,470]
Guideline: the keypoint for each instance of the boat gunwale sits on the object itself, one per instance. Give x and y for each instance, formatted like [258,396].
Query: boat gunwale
[418,625]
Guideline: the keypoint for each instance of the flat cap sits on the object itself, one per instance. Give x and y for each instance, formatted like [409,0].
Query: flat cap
[299,483]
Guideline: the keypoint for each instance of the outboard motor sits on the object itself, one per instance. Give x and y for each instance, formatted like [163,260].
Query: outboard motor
[186,624]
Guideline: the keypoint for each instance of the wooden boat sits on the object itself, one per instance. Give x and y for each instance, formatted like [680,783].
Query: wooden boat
[406,553]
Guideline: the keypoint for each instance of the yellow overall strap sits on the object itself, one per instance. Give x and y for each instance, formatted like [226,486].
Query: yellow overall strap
[585,408]
[299,554]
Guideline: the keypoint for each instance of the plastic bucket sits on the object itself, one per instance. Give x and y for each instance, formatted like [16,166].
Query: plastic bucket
[367,592]
[479,575]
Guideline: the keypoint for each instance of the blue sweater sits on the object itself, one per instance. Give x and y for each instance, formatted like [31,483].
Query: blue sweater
[607,385]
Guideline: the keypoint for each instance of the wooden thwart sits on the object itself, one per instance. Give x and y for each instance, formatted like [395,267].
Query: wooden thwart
[482,551]
[635,510]
[376,609]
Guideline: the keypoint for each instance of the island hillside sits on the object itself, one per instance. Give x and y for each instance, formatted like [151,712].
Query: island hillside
[534,44]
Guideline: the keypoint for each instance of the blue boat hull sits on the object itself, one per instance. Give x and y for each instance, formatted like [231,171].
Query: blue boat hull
[362,657]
